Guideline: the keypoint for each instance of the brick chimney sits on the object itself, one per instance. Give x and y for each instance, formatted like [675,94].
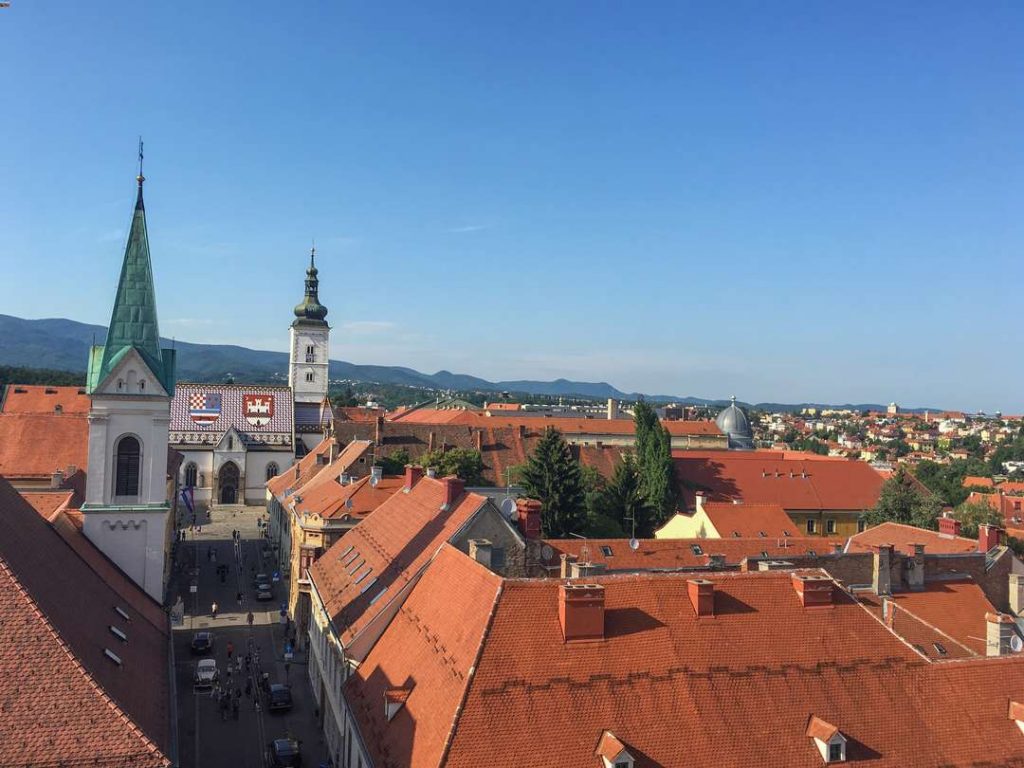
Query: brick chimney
[989,536]
[563,566]
[412,476]
[702,596]
[813,590]
[478,440]
[915,568]
[430,442]
[335,451]
[480,550]
[453,488]
[949,526]
[378,431]
[881,573]
[1000,630]
[528,517]
[581,611]
[1017,593]
[716,562]
[57,478]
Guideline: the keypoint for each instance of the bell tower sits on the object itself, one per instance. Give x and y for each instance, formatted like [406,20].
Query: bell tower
[131,382]
[310,343]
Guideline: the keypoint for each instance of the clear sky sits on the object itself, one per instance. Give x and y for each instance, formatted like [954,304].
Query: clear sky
[786,200]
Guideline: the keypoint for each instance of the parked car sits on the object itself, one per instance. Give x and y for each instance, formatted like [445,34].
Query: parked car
[279,698]
[284,753]
[202,643]
[206,673]
[260,578]
[264,592]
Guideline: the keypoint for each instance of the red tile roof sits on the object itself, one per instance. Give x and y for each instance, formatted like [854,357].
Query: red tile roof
[302,471]
[430,646]
[329,474]
[359,576]
[565,424]
[357,499]
[33,398]
[970,481]
[64,700]
[48,503]
[36,445]
[793,481]
[749,520]
[903,537]
[681,554]
[357,413]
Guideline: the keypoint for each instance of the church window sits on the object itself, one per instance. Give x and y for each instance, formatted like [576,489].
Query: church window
[310,353]
[142,385]
[309,376]
[231,443]
[127,471]
[191,475]
[272,470]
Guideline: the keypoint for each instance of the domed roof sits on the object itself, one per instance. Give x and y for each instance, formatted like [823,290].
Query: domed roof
[310,311]
[734,424]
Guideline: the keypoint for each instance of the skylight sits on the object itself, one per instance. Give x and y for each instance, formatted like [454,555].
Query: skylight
[118,633]
[369,584]
[356,567]
[695,548]
[112,656]
[940,649]
[343,554]
[363,576]
[122,613]
[351,557]
[606,551]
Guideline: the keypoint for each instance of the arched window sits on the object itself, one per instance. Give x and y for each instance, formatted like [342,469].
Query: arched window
[191,474]
[231,443]
[309,376]
[272,470]
[126,481]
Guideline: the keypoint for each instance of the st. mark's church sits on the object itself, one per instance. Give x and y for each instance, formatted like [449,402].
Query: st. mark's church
[236,437]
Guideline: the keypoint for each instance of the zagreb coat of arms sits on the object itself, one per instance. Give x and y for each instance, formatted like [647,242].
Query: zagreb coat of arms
[258,409]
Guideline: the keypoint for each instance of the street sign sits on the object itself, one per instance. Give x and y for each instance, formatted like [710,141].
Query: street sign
[193,588]
[276,577]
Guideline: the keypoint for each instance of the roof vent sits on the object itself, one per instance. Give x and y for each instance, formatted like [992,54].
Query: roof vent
[50,391]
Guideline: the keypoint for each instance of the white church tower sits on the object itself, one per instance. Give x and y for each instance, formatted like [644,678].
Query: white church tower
[310,340]
[131,381]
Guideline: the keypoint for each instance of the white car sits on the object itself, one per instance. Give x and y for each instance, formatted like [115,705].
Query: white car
[206,673]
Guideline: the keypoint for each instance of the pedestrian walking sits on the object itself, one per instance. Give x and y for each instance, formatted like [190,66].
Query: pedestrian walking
[231,649]
[213,610]
[250,618]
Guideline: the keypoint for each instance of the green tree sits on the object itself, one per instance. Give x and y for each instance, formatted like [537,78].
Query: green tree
[462,462]
[554,477]
[654,463]
[903,501]
[971,514]
[623,501]
[394,464]
[346,398]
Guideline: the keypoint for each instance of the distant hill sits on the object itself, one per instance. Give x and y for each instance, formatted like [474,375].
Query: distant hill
[63,345]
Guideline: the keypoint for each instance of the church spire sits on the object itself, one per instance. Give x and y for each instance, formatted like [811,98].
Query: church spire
[133,321]
[310,311]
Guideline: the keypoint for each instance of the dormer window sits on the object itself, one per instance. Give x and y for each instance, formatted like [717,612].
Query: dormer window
[394,700]
[613,752]
[828,739]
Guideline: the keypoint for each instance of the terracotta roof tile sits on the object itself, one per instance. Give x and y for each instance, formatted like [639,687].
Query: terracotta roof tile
[357,499]
[749,520]
[302,471]
[35,445]
[32,398]
[903,537]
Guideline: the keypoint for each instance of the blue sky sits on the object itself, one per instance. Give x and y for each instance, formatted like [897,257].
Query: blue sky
[786,201]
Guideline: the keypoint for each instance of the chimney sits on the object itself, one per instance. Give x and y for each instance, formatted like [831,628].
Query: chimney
[335,451]
[412,476]
[580,570]
[698,500]
[430,442]
[989,536]
[716,562]
[431,472]
[522,431]
[613,408]
[1017,593]
[528,517]
[702,596]
[949,526]
[813,590]
[378,432]
[915,568]
[881,576]
[453,488]
[581,611]
[1000,630]
[376,473]
[480,550]
[478,440]
[57,478]
[563,570]
[70,471]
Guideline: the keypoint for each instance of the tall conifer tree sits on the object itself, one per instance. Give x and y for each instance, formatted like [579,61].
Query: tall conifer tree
[553,476]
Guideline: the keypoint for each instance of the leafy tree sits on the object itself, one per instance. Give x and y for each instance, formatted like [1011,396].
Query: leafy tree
[972,514]
[346,398]
[654,463]
[462,462]
[14,375]
[622,499]
[394,464]
[947,480]
[902,501]
[554,477]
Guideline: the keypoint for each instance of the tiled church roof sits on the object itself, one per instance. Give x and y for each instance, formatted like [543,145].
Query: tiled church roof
[231,414]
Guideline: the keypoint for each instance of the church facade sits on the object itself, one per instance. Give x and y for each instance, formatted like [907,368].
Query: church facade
[236,437]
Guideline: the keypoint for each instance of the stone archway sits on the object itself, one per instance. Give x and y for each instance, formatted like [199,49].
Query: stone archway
[227,483]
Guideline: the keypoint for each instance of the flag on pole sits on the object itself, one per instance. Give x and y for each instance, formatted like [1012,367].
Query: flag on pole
[186,496]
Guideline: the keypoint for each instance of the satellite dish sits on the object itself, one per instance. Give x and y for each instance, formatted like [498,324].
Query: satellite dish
[634,544]
[508,507]
[1016,644]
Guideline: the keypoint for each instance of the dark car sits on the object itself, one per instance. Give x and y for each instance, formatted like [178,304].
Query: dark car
[284,753]
[260,578]
[202,643]
[279,698]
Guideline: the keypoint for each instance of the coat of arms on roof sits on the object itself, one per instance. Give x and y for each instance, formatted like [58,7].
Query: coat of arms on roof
[258,409]
[204,407]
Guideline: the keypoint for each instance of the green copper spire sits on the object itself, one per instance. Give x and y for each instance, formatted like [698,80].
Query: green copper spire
[310,311]
[133,322]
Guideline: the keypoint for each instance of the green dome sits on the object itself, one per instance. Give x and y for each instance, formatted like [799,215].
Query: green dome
[310,309]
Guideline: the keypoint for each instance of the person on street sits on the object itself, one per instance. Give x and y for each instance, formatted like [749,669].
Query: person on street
[213,610]
[250,618]
[231,649]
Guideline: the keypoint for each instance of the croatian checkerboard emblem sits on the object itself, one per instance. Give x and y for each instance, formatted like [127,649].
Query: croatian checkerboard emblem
[258,409]
[204,407]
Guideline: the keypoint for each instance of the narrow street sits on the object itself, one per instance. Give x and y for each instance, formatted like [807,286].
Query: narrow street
[209,734]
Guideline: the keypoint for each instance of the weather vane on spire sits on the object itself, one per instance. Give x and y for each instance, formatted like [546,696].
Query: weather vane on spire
[140,178]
